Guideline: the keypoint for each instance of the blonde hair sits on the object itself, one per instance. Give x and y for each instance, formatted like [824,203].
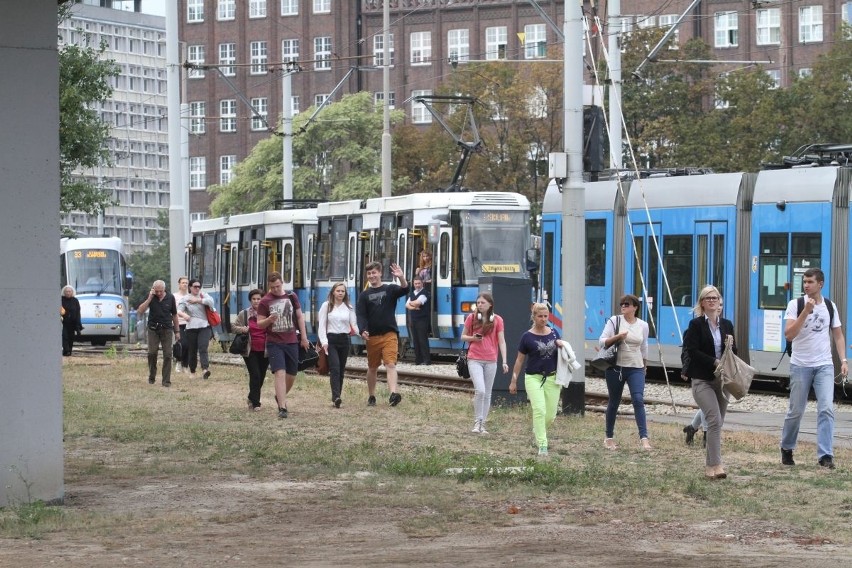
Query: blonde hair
[539,306]
[706,291]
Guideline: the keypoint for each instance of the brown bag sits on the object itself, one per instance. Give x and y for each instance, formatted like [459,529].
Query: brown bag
[735,373]
[322,362]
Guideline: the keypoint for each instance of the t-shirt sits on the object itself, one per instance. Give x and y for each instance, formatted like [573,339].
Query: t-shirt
[541,352]
[812,347]
[161,312]
[489,346]
[282,330]
[376,308]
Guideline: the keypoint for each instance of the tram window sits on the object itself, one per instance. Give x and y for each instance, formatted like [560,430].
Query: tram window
[444,266]
[243,259]
[287,263]
[339,237]
[254,261]
[806,254]
[774,271]
[400,250]
[595,252]
[386,245]
[547,265]
[208,259]
[352,261]
[677,262]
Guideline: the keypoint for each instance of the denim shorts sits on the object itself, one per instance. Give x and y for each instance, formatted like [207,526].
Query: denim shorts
[283,356]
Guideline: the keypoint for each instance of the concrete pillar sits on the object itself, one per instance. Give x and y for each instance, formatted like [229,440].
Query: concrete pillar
[31,452]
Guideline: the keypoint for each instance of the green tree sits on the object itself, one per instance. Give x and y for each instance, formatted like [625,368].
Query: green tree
[150,265]
[84,81]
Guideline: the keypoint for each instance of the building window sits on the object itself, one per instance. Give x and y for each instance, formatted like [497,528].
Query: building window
[257,51]
[289,7]
[805,72]
[197,110]
[495,43]
[379,50]
[727,29]
[458,45]
[322,6]
[195,56]
[261,109]
[289,50]
[775,77]
[257,8]
[535,41]
[419,114]
[421,48]
[322,53]
[227,58]
[846,12]
[810,24]
[198,173]
[193,217]
[228,115]
[320,99]
[379,99]
[227,10]
[537,103]
[769,26]
[194,11]
[666,21]
[644,22]
[294,104]
[226,169]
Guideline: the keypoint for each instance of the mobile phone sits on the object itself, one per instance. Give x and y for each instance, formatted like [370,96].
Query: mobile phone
[477,335]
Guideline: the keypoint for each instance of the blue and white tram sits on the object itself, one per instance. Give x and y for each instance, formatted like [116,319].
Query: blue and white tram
[96,269]
[233,255]
[470,235]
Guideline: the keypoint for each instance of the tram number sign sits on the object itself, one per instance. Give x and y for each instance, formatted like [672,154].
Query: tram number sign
[90,253]
[501,268]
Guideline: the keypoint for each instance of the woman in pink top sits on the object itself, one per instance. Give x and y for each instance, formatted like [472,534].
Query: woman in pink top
[483,329]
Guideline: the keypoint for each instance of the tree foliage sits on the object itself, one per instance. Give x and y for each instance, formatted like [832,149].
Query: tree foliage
[153,264]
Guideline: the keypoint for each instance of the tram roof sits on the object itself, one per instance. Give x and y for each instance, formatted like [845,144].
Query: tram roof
[257,219]
[685,191]
[426,201]
[111,243]
[796,185]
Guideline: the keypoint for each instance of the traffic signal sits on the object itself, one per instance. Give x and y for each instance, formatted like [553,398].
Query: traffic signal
[593,139]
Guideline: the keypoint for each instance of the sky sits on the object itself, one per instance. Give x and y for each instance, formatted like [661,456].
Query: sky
[156,7]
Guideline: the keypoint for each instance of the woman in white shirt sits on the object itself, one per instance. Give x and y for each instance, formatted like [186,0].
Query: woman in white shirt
[336,322]
[198,331]
[630,366]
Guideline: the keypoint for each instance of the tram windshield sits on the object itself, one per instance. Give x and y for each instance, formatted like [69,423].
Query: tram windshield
[493,243]
[95,271]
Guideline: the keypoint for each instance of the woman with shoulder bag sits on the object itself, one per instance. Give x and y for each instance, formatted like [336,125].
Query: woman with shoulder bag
[630,367]
[255,355]
[483,330]
[337,320]
[704,343]
[198,330]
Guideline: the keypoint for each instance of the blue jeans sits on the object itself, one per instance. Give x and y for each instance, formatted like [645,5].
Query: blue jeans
[635,379]
[801,380]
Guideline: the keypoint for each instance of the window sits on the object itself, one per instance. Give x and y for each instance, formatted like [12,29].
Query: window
[228,115]
[769,26]
[595,252]
[194,11]
[421,48]
[810,24]
[727,29]
[261,108]
[195,56]
[226,10]
[458,45]
[294,103]
[805,72]
[379,99]
[319,99]
[644,22]
[775,262]
[289,50]
[495,43]
[667,21]
[226,169]
[775,76]
[379,50]
[322,6]
[257,52]
[535,41]
[419,114]
[289,7]
[322,53]
[227,58]
[846,12]
[197,173]
[197,110]
[197,217]
[677,263]
[537,103]
[257,8]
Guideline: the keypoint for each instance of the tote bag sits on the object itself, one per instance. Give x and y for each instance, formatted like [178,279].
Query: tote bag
[735,373]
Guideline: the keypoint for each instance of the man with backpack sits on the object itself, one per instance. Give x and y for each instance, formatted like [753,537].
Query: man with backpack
[813,321]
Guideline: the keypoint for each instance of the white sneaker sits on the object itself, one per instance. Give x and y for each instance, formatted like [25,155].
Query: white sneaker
[482,429]
[542,452]
[178,368]
[477,427]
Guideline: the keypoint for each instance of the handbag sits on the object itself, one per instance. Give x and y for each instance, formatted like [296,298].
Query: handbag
[308,357]
[735,373]
[213,317]
[239,345]
[322,360]
[177,350]
[461,364]
[605,357]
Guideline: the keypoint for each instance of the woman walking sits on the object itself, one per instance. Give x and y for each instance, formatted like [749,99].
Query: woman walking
[630,366]
[483,329]
[198,331]
[704,343]
[539,348]
[71,320]
[182,362]
[255,355]
[337,321]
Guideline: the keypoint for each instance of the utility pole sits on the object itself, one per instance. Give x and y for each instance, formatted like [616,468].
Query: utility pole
[386,135]
[614,31]
[178,226]
[287,135]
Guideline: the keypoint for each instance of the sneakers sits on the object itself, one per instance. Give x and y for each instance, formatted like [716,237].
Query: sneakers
[337,402]
[167,384]
[542,452]
[477,427]
[206,374]
[394,398]
[482,429]
[787,457]
[151,381]
[282,413]
[178,368]
[371,401]
[826,461]
[690,434]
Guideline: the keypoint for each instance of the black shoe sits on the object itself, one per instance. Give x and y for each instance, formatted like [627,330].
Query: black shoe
[787,457]
[371,401]
[337,402]
[395,398]
[167,383]
[152,381]
[205,374]
[826,461]
[282,413]
[690,434]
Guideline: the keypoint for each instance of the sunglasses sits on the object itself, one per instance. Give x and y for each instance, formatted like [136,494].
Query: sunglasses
[196,286]
[626,304]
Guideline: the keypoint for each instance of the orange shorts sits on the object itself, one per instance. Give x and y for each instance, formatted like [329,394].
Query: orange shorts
[382,349]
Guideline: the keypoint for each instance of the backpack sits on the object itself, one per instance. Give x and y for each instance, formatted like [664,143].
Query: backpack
[800,305]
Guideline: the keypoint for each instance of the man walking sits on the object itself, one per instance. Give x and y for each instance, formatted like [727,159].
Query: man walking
[163,327]
[813,325]
[280,312]
[376,311]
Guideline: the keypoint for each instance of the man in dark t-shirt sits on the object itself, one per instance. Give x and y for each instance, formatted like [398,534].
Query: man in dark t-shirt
[163,327]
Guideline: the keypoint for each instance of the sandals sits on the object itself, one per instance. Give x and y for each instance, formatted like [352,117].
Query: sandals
[609,444]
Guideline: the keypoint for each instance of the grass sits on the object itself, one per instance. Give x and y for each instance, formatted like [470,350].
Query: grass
[118,428]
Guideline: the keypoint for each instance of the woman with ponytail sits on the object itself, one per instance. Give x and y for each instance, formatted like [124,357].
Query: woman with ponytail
[483,329]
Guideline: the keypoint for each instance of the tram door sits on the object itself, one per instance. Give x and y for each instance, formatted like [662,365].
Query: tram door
[287,260]
[645,264]
[442,272]
[709,258]
[222,280]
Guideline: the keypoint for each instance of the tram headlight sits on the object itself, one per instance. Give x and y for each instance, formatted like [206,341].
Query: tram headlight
[468,307]
[119,310]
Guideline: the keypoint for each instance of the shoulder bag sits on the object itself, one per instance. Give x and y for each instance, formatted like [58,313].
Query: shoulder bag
[735,373]
[213,317]
[606,357]
[240,345]
[461,364]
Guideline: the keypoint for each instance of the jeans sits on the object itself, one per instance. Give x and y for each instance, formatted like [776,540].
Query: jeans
[709,397]
[482,374]
[257,364]
[543,395]
[635,379]
[184,347]
[801,380]
[160,338]
[199,341]
[338,352]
